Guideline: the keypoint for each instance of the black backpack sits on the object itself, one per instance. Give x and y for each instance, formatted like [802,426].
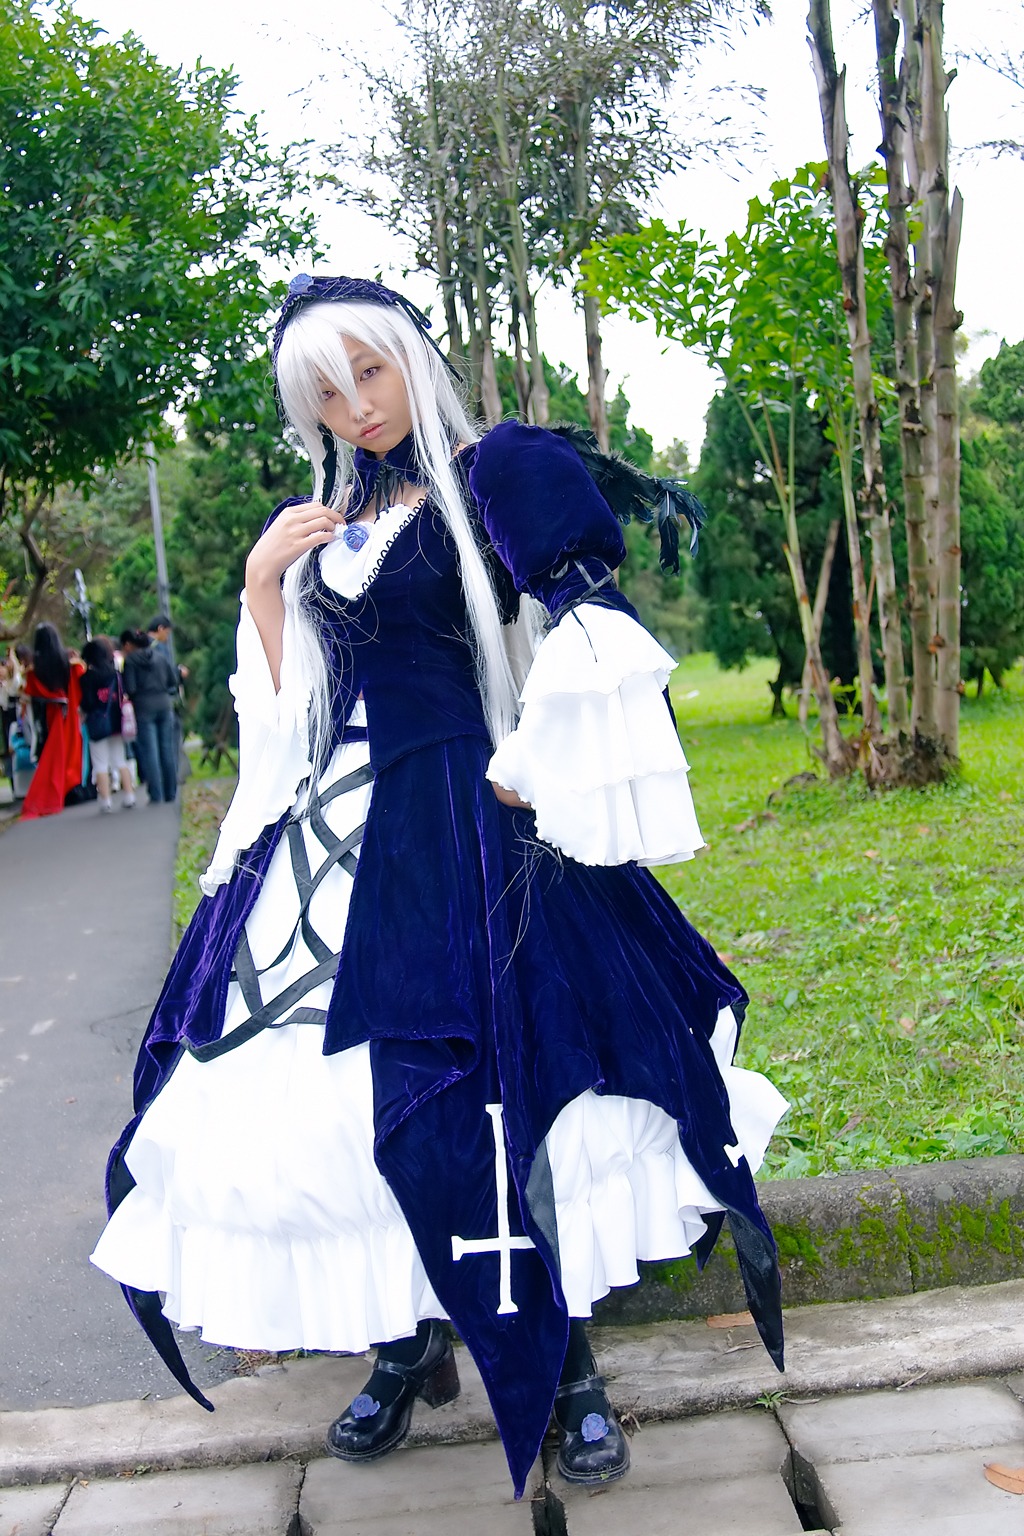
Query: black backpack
[105,719]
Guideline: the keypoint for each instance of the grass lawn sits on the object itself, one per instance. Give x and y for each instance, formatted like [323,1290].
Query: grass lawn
[881,937]
[204,799]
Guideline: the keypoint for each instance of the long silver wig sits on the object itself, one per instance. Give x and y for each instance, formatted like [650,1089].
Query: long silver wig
[311,355]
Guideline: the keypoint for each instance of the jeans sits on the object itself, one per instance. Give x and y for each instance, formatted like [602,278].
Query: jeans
[157,749]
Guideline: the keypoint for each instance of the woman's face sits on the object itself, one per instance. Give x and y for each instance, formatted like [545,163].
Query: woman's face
[382,417]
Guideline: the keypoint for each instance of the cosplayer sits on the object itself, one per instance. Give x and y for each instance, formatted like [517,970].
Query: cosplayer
[53,682]
[436,1045]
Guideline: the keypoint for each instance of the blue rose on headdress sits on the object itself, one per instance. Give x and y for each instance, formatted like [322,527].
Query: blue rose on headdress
[593,1428]
[364,1406]
[301,283]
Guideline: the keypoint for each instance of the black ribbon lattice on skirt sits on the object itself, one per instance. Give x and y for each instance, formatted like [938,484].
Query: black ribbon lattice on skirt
[282,1009]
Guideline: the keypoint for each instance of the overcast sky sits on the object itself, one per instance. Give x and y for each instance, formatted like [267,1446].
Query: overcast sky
[294,79]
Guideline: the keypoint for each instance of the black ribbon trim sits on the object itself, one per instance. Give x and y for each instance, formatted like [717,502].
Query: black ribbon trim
[276,1013]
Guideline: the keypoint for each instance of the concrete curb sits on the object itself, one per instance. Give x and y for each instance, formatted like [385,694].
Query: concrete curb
[880,1232]
[663,1372]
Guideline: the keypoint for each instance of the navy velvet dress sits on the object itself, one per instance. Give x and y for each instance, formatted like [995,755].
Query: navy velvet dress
[482,968]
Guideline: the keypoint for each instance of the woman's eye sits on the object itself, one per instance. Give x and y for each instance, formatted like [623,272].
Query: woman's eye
[327,394]
[369,373]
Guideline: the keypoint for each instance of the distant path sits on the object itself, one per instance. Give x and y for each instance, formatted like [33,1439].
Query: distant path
[85,937]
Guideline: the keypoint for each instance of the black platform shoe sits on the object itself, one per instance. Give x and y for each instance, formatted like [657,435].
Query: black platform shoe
[597,1451]
[367,1429]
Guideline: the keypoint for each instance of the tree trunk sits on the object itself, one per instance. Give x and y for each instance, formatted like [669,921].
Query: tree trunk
[861,606]
[898,151]
[943,222]
[818,614]
[597,406]
[490,398]
[831,96]
[520,372]
[518,257]
[441,233]
[836,753]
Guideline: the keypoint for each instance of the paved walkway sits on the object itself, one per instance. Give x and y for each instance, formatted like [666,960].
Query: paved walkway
[782,1455]
[85,939]
[882,1426]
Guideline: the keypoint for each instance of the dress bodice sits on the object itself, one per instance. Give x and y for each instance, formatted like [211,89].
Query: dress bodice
[402,643]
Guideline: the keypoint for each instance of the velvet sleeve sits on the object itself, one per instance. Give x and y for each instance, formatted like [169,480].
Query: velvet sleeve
[596,751]
[546,519]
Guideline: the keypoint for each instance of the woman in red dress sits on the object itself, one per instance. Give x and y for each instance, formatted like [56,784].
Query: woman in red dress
[55,680]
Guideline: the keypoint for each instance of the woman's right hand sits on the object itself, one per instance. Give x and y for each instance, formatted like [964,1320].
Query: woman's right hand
[295,531]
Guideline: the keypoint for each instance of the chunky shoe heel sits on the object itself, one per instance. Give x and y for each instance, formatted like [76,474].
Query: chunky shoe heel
[369,1427]
[443,1385]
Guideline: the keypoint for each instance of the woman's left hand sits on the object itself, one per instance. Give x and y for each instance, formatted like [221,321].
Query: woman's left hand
[510,798]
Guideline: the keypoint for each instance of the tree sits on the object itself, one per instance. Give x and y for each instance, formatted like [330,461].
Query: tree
[993,516]
[765,310]
[993,564]
[517,130]
[742,574]
[135,213]
[915,148]
[849,223]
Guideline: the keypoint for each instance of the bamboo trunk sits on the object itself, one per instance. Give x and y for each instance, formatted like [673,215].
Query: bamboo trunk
[831,96]
[898,152]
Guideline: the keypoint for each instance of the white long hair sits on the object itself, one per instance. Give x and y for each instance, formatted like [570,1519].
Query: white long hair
[312,354]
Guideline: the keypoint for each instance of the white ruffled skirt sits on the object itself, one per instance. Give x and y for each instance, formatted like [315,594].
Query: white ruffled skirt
[260,1214]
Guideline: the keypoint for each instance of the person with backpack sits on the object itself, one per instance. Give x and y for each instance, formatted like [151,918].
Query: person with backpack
[102,701]
[152,687]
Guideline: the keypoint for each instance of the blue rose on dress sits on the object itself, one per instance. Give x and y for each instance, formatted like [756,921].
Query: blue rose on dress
[593,1428]
[364,1406]
[302,283]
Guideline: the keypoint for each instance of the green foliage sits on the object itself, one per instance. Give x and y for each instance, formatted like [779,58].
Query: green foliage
[239,468]
[668,605]
[992,539]
[880,936]
[135,212]
[764,305]
[741,570]
[1000,393]
[568,404]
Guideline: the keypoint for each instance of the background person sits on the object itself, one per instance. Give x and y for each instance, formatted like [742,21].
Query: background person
[53,683]
[101,711]
[150,683]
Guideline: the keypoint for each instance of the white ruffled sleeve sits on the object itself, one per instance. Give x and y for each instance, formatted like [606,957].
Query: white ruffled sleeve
[273,743]
[595,751]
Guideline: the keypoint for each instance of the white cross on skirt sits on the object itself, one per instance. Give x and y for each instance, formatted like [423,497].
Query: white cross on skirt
[504,1242]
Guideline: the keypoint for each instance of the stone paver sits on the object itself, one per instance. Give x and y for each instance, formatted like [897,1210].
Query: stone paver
[259,1500]
[720,1474]
[912,1461]
[30,1511]
[871,1426]
[943,1495]
[451,1491]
